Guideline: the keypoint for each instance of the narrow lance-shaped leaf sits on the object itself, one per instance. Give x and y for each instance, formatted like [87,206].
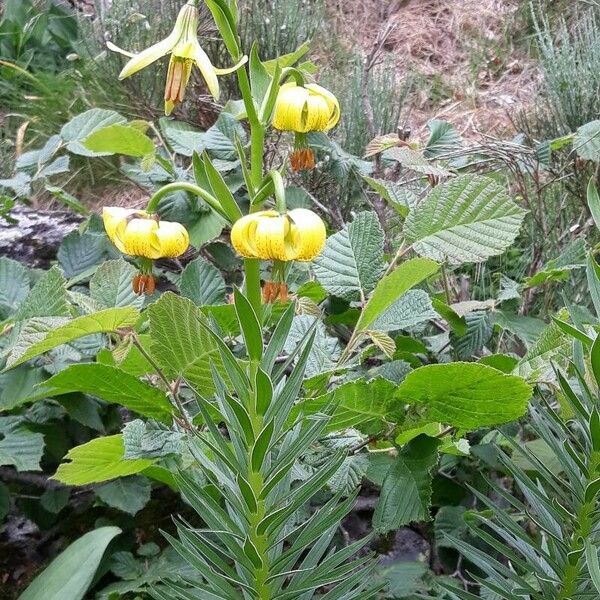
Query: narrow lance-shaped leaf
[71,573]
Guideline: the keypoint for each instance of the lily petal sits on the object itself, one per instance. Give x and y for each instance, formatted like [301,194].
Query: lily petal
[116,48]
[140,239]
[332,103]
[233,69]
[173,239]
[115,221]
[149,55]
[311,233]
[208,71]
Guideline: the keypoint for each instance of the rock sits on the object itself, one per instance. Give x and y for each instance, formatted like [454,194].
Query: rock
[34,239]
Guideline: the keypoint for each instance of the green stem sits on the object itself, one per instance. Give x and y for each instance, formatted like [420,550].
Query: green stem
[256,480]
[154,201]
[257,141]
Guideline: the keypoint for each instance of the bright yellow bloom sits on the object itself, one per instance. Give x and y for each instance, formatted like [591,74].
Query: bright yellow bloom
[182,43]
[298,235]
[305,108]
[137,233]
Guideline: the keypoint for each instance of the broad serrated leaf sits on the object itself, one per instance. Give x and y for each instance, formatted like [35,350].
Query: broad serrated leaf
[101,459]
[587,141]
[18,385]
[395,371]
[180,344]
[146,440]
[81,126]
[352,261]
[36,331]
[509,289]
[406,491]
[572,256]
[112,385]
[361,404]
[466,395]
[467,219]
[111,285]
[202,283]
[527,329]
[412,308]
[415,161]
[14,286]
[129,494]
[325,350]
[553,347]
[119,139]
[401,199]
[443,138]
[19,446]
[405,578]
[47,298]
[183,138]
[78,253]
[450,520]
[478,334]
[383,341]
[391,288]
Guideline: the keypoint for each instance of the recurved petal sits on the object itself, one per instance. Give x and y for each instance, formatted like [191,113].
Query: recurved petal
[149,55]
[242,236]
[290,109]
[274,240]
[206,68]
[140,239]
[115,48]
[113,217]
[173,239]
[230,70]
[310,233]
[332,103]
[317,114]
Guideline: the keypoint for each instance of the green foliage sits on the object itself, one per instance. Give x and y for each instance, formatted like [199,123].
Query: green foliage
[468,219]
[101,459]
[71,573]
[352,262]
[406,491]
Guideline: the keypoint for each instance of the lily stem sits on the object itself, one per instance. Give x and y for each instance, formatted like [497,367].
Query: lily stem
[257,141]
[185,187]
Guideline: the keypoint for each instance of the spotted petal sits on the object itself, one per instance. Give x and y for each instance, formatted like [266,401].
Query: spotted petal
[173,239]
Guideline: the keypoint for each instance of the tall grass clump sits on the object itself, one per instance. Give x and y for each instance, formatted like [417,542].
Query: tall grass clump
[569,56]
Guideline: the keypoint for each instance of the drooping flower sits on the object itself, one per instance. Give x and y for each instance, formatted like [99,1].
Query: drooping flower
[297,235]
[142,235]
[183,45]
[303,109]
[137,233]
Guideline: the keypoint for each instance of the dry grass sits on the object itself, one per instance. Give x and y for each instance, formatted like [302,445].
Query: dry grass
[465,55]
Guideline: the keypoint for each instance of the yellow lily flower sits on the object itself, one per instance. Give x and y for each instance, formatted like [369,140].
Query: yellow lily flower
[298,235]
[305,108]
[138,233]
[183,45]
